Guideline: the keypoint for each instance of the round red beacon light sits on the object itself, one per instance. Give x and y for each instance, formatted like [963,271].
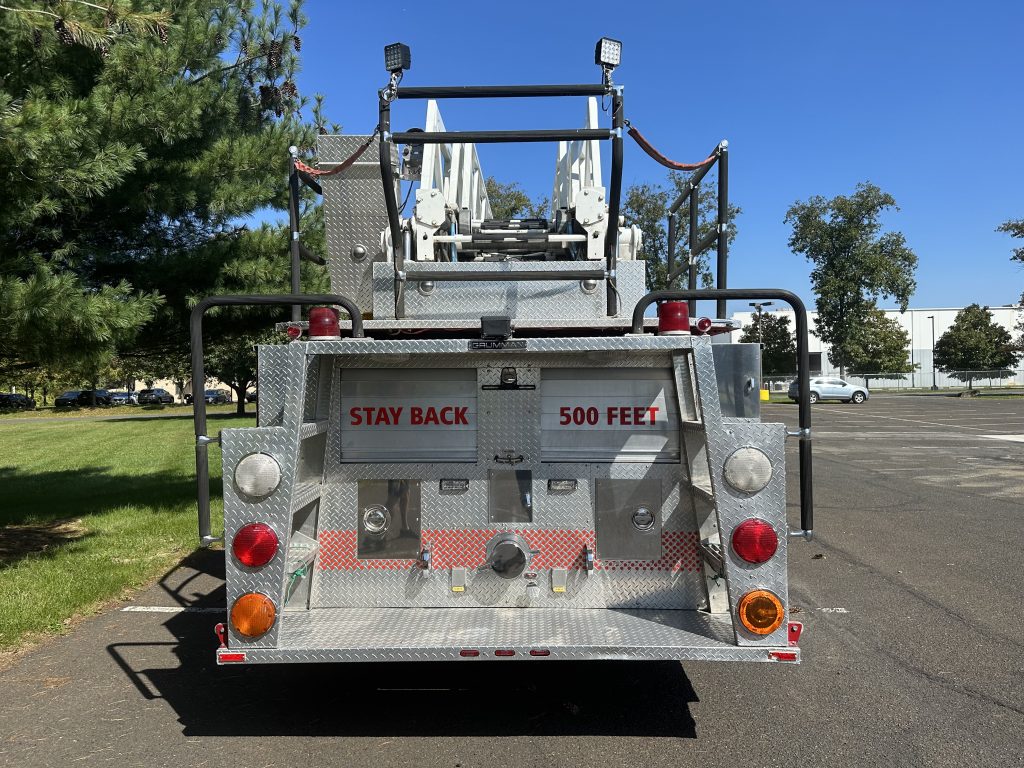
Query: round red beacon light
[323,323]
[703,324]
[755,541]
[255,544]
[673,318]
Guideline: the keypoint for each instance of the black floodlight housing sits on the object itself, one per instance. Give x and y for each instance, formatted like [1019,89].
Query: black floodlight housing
[608,53]
[397,57]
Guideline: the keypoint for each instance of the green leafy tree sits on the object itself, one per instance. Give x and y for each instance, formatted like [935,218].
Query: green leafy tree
[973,345]
[133,139]
[854,262]
[510,201]
[880,346]
[233,361]
[646,206]
[778,345]
[1015,228]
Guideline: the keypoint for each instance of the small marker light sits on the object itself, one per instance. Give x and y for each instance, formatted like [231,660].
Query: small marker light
[257,475]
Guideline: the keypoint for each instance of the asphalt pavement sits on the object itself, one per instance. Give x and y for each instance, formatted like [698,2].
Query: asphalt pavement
[911,594]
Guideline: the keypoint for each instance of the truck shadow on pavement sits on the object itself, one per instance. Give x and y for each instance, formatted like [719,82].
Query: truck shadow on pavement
[494,698]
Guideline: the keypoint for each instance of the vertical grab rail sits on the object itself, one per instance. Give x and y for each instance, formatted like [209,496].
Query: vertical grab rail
[206,538]
[803,368]
[719,236]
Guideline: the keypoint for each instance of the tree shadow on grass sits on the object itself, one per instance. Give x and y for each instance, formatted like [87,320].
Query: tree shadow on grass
[398,700]
[43,512]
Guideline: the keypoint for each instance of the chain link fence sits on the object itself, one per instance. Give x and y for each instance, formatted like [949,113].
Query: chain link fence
[918,380]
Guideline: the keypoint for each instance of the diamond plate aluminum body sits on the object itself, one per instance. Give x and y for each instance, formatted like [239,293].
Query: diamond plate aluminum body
[411,634]
[547,300]
[354,215]
[283,377]
[732,507]
[562,525]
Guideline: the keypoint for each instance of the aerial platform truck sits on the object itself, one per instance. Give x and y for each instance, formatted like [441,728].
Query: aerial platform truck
[496,453]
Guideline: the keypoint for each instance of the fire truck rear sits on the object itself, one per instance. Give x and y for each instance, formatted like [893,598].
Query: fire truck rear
[495,452]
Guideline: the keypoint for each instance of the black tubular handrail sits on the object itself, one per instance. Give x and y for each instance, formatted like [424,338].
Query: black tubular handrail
[803,362]
[500,137]
[498,91]
[400,250]
[199,378]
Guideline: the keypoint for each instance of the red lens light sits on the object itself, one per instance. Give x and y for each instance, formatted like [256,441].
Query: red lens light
[323,321]
[255,544]
[540,652]
[469,653]
[505,653]
[703,324]
[673,317]
[293,331]
[755,541]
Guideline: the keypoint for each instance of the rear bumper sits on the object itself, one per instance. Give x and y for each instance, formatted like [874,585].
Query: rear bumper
[447,634]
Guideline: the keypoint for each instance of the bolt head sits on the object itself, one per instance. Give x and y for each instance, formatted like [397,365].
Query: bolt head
[358,252]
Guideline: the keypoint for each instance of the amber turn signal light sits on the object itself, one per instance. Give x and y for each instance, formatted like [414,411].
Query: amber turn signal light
[253,615]
[760,612]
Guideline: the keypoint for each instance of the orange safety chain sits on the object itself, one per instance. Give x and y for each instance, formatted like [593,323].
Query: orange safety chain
[315,172]
[650,150]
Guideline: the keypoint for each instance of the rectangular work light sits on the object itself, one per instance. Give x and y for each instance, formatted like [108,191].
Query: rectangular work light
[397,57]
[608,52]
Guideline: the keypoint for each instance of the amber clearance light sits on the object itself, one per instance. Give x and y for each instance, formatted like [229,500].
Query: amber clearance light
[760,612]
[253,615]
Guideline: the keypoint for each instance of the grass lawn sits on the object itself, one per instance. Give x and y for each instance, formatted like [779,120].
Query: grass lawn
[91,509]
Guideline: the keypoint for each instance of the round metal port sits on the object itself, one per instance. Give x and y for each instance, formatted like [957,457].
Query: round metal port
[508,555]
[643,519]
[376,519]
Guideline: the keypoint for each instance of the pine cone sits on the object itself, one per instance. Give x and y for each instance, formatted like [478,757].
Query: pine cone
[63,34]
[161,32]
[37,38]
[297,42]
[218,40]
[266,97]
[288,89]
[274,54]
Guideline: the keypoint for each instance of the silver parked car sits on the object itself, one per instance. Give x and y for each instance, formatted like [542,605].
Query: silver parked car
[830,389]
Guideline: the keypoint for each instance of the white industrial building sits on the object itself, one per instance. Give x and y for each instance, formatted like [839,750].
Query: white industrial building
[924,326]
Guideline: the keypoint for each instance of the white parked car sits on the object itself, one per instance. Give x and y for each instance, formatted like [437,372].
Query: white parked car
[830,389]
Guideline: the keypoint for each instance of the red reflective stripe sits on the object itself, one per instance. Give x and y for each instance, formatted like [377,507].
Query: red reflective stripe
[229,657]
[783,655]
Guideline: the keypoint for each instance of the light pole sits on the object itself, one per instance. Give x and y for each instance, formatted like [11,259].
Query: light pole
[932,318]
[758,306]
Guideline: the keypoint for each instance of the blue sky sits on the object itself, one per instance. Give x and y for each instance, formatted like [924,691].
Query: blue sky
[925,99]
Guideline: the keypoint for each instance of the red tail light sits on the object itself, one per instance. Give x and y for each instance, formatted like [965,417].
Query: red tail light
[702,325]
[501,652]
[673,318]
[755,541]
[469,653]
[323,323]
[293,331]
[255,544]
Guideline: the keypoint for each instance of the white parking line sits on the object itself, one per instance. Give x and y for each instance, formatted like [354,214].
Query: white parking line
[169,609]
[1010,438]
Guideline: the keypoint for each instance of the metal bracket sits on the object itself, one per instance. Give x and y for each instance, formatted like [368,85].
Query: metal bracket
[207,440]
[796,533]
[588,560]
[509,458]
[423,562]
[798,432]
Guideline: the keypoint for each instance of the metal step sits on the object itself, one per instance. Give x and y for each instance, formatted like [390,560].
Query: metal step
[422,634]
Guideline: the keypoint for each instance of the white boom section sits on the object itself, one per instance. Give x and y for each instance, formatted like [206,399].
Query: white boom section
[455,170]
[578,164]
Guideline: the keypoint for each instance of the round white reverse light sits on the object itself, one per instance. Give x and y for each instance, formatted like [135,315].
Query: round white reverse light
[748,470]
[257,475]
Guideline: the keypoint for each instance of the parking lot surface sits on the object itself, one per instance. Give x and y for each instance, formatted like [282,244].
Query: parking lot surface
[911,595]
